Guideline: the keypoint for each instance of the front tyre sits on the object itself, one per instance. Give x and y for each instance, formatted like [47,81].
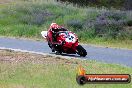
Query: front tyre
[81,51]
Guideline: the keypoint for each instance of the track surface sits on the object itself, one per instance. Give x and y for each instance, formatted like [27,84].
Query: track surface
[108,55]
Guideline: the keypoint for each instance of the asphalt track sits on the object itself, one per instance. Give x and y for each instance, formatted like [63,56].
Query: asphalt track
[102,54]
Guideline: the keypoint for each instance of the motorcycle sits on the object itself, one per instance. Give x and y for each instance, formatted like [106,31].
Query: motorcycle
[69,43]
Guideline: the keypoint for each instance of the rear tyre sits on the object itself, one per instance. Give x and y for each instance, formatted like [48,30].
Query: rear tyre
[81,51]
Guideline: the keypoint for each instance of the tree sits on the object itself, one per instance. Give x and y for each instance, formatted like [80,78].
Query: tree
[128,4]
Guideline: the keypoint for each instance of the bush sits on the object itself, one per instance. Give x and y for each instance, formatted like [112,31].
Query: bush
[76,24]
[28,14]
[35,15]
[84,35]
[109,24]
[129,23]
[99,3]
[128,4]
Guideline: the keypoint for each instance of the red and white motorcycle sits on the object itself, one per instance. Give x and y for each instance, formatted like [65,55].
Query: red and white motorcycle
[70,43]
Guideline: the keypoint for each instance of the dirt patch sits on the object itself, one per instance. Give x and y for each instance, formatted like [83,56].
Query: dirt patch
[9,56]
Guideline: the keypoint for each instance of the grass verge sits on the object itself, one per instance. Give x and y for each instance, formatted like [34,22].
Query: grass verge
[126,44]
[24,70]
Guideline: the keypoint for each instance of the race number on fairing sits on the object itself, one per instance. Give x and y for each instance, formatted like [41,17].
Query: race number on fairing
[71,38]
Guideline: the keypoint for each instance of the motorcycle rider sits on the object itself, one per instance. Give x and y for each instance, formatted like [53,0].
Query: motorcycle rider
[52,34]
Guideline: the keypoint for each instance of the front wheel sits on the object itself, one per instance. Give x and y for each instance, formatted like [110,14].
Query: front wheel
[81,51]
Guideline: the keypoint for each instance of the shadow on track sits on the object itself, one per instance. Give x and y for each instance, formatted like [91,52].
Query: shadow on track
[69,55]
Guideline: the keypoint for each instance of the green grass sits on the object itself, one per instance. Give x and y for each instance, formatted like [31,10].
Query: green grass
[35,71]
[39,15]
[125,44]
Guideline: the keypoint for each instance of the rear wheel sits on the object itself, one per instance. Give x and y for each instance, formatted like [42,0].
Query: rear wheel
[81,51]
